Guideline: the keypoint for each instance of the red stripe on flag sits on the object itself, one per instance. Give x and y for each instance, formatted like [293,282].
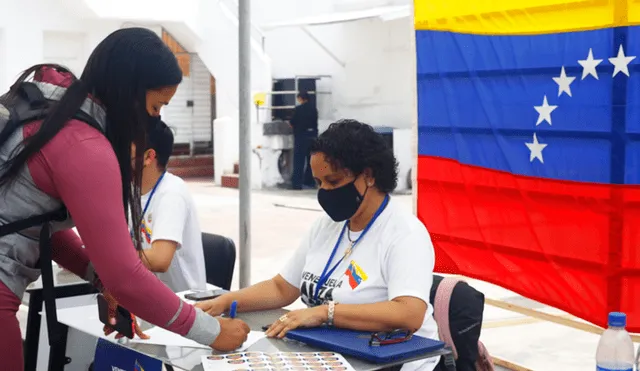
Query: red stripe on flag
[574,246]
[352,280]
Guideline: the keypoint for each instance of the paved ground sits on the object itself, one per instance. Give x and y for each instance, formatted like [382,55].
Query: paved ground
[279,220]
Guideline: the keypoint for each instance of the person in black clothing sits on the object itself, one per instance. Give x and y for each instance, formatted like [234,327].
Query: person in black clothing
[305,129]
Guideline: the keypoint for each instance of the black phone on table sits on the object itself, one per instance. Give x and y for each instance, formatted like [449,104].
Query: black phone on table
[125,324]
[205,295]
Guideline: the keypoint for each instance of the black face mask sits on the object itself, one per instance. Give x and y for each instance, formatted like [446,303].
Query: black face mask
[153,121]
[341,203]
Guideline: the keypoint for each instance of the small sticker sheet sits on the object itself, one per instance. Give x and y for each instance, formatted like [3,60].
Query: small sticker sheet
[258,361]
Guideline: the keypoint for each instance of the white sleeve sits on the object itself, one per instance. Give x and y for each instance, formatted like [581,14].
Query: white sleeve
[409,266]
[292,271]
[169,218]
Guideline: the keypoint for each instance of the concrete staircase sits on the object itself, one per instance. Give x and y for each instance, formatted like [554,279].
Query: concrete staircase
[232,180]
[188,167]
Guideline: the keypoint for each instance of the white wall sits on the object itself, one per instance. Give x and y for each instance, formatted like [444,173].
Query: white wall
[376,83]
[342,5]
[24,46]
[201,26]
[218,49]
[65,48]
[374,86]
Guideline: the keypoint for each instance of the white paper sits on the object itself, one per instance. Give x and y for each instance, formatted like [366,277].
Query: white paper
[258,361]
[85,319]
[160,336]
[254,337]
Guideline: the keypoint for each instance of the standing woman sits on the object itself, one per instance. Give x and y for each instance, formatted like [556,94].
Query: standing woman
[87,168]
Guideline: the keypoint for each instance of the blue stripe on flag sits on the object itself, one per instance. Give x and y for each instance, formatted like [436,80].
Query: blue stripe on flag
[477,96]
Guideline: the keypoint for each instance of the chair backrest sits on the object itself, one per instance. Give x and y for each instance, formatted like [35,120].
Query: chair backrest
[459,319]
[219,259]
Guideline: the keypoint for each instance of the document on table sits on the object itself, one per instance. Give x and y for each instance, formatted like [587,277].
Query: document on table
[85,319]
[160,336]
[251,361]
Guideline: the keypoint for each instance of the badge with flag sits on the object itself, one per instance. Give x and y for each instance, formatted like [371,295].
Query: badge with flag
[355,274]
[529,147]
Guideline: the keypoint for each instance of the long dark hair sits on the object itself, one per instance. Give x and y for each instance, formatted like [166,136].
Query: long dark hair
[118,74]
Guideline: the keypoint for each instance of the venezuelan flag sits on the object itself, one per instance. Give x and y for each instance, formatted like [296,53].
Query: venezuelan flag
[138,366]
[146,231]
[355,274]
[529,147]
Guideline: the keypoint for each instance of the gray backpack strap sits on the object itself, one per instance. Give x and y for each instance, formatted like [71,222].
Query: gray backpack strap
[20,225]
[29,105]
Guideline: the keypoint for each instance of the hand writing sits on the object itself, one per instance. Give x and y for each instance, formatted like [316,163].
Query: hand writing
[233,333]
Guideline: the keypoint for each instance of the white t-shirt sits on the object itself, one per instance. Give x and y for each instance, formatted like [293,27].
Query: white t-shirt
[394,258]
[172,216]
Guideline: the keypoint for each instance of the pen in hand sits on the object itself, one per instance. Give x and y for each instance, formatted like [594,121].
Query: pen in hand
[233,309]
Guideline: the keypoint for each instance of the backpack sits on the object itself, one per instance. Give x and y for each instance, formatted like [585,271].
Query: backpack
[458,310]
[31,105]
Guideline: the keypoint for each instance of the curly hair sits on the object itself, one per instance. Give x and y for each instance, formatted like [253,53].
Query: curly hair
[352,145]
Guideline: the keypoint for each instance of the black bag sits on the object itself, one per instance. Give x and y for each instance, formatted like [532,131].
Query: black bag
[31,105]
[466,307]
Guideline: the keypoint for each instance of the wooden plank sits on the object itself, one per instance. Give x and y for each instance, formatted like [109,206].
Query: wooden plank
[561,320]
[509,365]
[514,322]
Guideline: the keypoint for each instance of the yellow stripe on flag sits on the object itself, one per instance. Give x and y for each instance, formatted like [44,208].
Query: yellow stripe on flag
[359,271]
[523,17]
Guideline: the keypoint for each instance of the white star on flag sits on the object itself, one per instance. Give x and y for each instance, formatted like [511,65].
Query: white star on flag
[544,111]
[589,65]
[621,62]
[563,82]
[536,149]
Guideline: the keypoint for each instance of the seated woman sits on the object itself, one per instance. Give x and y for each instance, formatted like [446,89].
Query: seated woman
[367,265]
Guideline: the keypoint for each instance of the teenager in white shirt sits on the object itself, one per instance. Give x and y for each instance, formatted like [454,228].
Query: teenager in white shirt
[380,276]
[170,231]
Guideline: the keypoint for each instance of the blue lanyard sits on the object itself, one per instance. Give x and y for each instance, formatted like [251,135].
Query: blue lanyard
[325,275]
[146,205]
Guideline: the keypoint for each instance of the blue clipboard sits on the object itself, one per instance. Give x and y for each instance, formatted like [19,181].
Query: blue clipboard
[356,344]
[110,356]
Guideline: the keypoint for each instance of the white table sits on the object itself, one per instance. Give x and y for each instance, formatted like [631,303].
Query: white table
[85,319]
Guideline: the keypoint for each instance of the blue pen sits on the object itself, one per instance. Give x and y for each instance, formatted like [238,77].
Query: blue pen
[234,308]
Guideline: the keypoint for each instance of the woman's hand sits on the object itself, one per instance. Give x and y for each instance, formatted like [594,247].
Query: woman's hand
[233,333]
[309,317]
[113,305]
[214,307]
